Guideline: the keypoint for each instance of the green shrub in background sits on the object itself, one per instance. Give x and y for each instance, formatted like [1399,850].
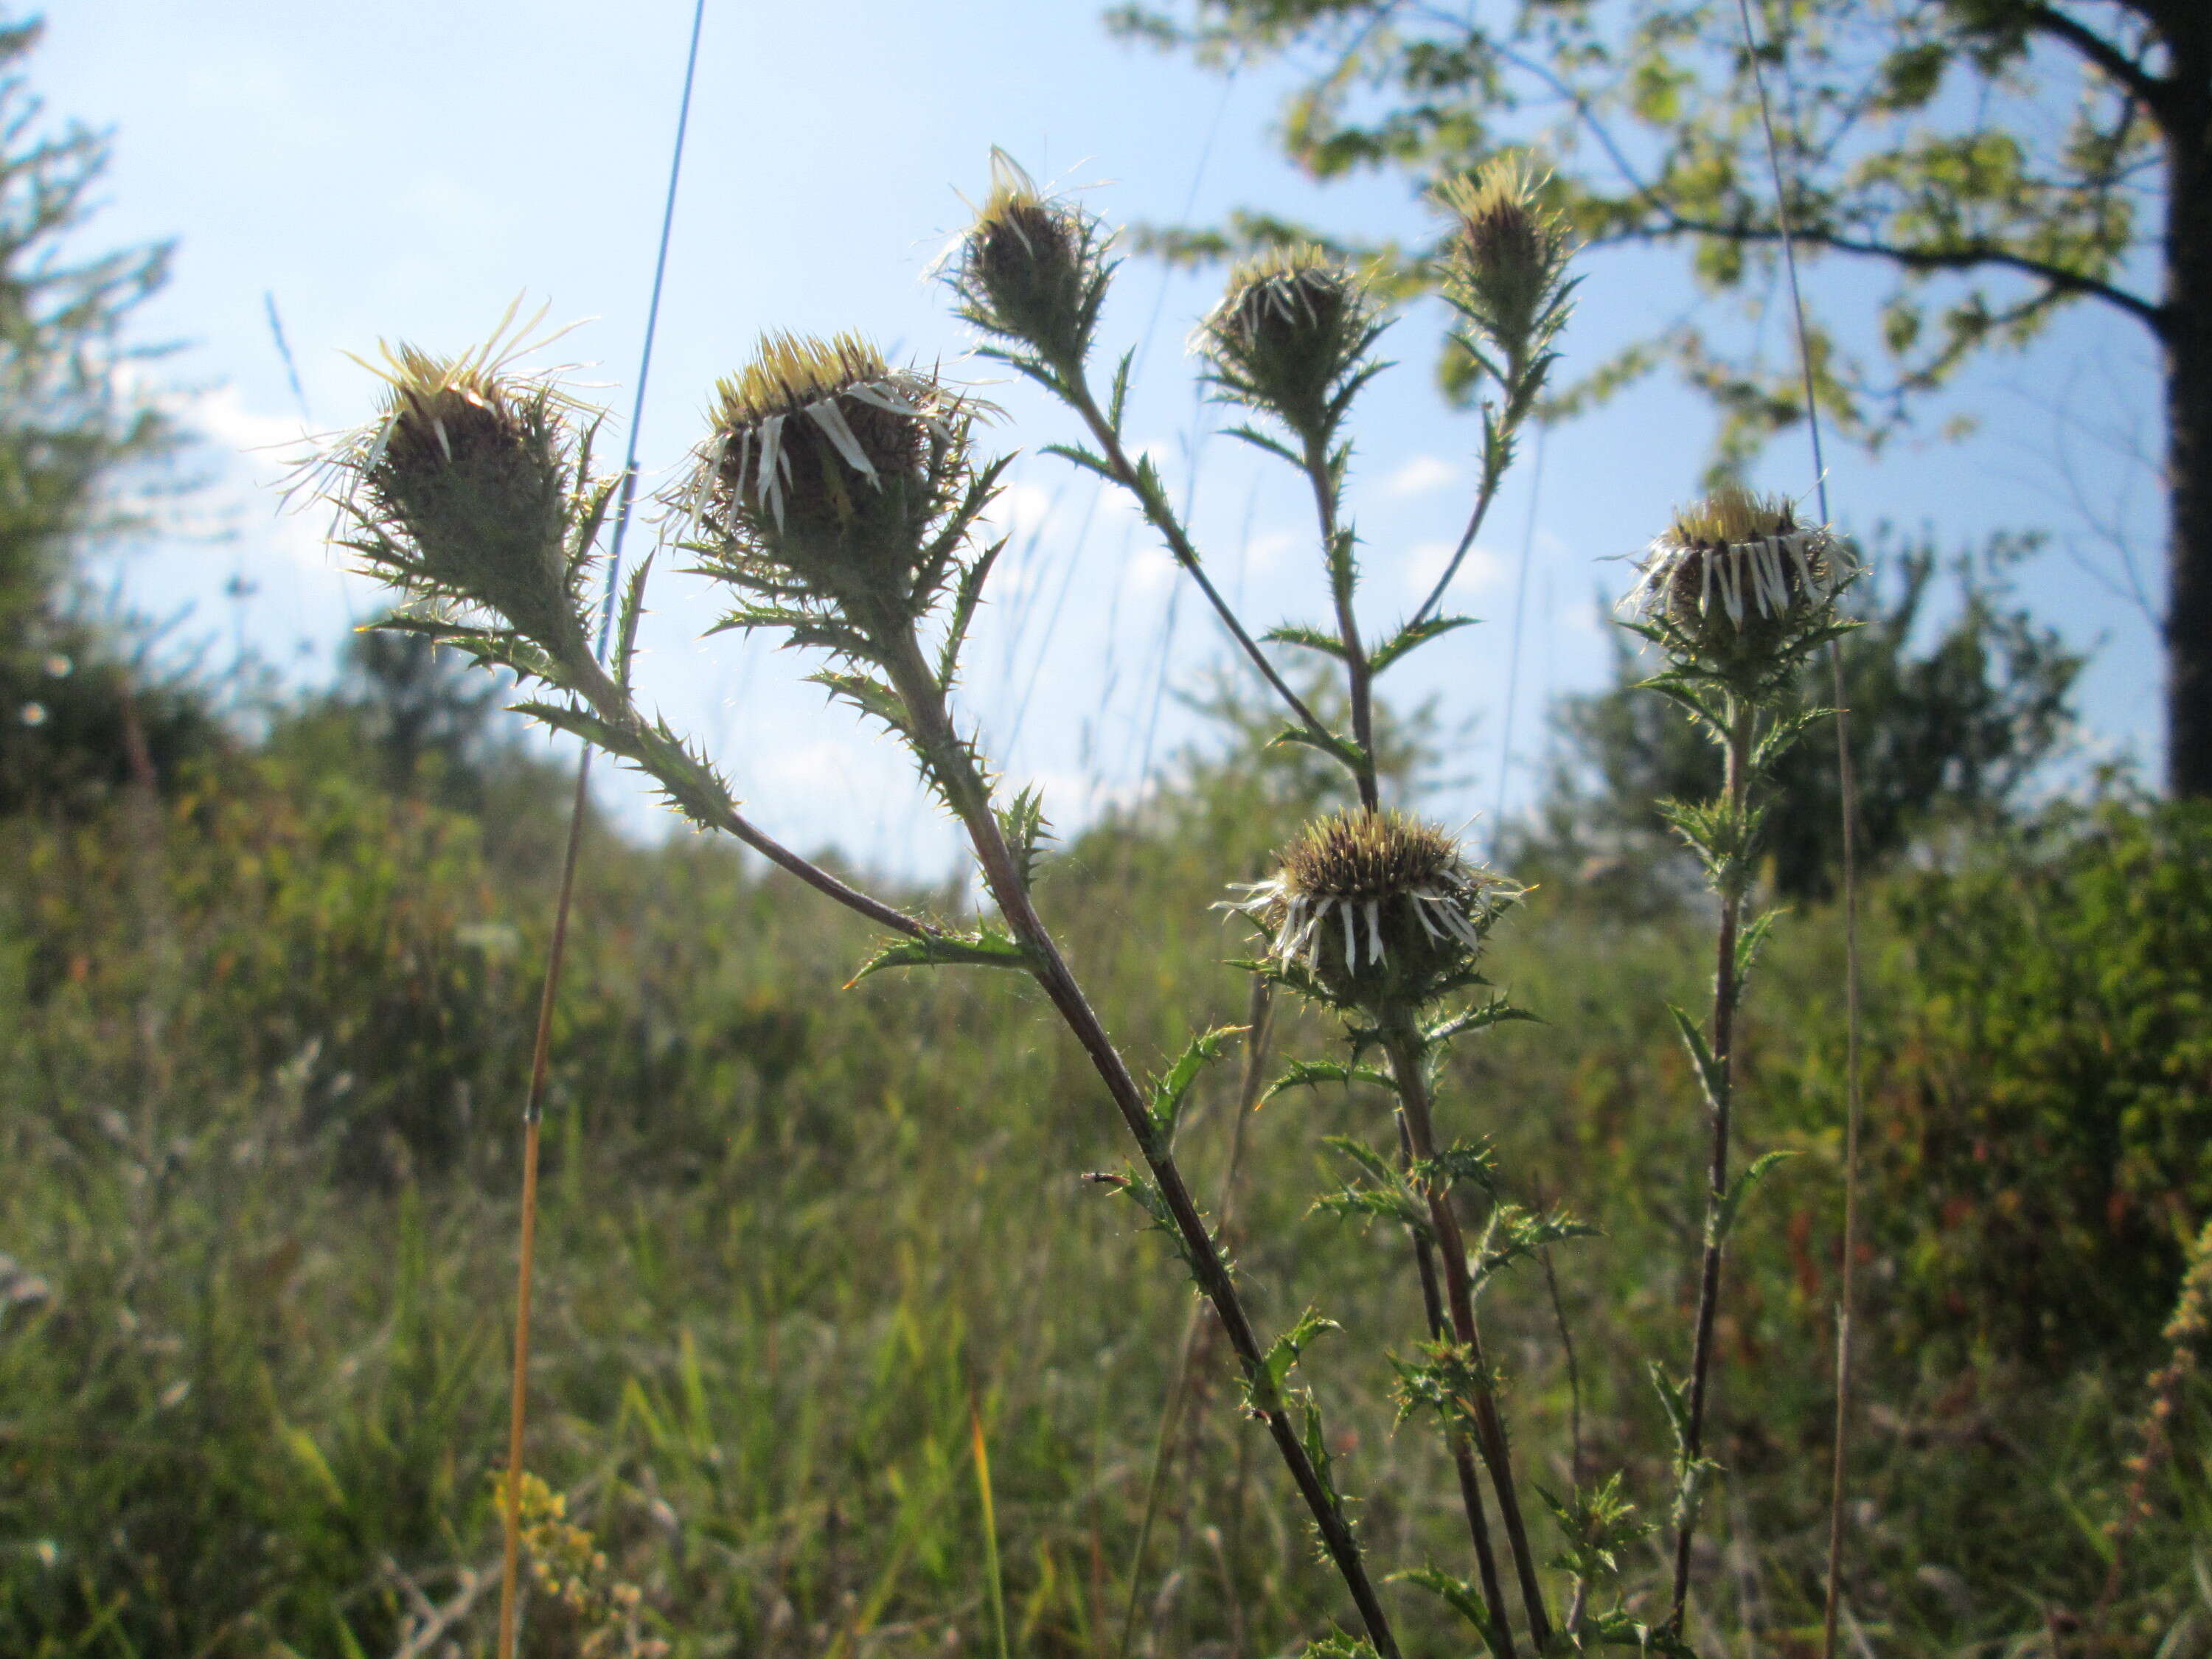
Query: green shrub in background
[251,1351]
[2046,1104]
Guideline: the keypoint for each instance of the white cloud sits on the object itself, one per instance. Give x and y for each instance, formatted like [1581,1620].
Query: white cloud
[1023,509]
[1420,475]
[1482,569]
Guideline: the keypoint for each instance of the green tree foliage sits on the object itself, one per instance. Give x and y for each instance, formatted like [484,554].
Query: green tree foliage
[1946,728]
[2001,159]
[79,715]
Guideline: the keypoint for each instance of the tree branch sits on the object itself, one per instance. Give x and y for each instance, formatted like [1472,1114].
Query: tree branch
[2124,71]
[2151,315]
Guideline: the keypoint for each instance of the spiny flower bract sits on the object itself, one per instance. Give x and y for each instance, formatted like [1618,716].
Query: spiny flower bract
[468,487]
[1376,911]
[1291,336]
[1030,269]
[1504,266]
[826,472]
[1736,580]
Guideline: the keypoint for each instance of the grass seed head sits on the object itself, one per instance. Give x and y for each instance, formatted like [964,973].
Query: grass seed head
[1030,268]
[1381,909]
[1292,327]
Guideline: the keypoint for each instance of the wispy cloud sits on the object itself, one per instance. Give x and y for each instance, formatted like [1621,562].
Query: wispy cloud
[1420,475]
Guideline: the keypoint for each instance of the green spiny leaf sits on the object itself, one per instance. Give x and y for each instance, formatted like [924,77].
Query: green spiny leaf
[1170,1090]
[986,947]
[1710,1075]
[1724,1213]
[1412,637]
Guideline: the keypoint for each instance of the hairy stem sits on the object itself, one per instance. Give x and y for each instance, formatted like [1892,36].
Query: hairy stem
[1733,875]
[953,767]
[1404,1046]
[1359,674]
[1462,1444]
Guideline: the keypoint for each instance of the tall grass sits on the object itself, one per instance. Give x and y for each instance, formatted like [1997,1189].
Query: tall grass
[254,1396]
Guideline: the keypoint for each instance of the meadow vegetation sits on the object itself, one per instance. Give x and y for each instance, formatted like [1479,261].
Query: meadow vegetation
[263,1038]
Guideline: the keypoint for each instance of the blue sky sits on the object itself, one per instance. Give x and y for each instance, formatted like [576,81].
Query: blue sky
[405,170]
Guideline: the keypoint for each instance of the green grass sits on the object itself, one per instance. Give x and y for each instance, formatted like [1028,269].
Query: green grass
[262,1060]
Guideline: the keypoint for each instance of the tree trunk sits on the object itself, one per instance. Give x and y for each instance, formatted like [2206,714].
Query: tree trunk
[2188,416]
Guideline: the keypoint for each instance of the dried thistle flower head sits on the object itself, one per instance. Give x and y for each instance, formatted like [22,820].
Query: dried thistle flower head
[1504,264]
[1735,578]
[1379,910]
[469,488]
[827,468]
[1291,336]
[1030,269]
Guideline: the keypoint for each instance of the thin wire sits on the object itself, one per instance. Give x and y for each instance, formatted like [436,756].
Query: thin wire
[541,1048]
[1848,788]
[1513,657]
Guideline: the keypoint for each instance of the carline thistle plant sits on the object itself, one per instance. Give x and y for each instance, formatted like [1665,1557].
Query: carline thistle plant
[842,504]
[1736,594]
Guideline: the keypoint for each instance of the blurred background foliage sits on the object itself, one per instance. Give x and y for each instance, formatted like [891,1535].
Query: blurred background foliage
[265,994]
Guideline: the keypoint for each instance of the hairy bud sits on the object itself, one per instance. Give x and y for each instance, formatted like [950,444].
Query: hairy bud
[1291,336]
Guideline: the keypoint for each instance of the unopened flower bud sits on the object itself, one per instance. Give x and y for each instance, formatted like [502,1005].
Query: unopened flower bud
[1379,909]
[1030,269]
[1505,263]
[1291,336]
[1735,578]
[465,489]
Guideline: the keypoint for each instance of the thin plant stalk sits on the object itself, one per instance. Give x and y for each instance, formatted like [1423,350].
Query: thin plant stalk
[951,763]
[994,1584]
[1726,981]
[1854,1116]
[1258,1017]
[1462,1443]
[1847,787]
[1077,389]
[533,1113]
[1493,475]
[1359,674]
[1404,1049]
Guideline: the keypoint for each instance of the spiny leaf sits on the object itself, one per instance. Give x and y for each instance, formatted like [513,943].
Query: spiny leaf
[1496,1011]
[1463,1598]
[1412,637]
[633,609]
[966,597]
[1312,639]
[1169,1092]
[1339,748]
[986,947]
[868,695]
[1025,827]
[1710,1075]
[1724,1213]
[1312,1074]
[1751,940]
[1783,735]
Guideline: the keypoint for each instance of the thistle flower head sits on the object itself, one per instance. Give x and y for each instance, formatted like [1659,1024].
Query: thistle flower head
[1030,269]
[1505,263]
[1379,910]
[1736,582]
[826,471]
[469,487]
[1291,336]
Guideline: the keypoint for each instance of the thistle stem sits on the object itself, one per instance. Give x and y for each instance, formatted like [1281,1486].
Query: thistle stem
[1359,673]
[1404,1048]
[1742,713]
[952,765]
[1075,387]
[1463,1445]
[1493,474]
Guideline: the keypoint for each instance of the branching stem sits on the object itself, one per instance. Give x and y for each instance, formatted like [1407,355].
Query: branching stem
[1359,673]
[953,767]
[1404,1046]
[1075,387]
